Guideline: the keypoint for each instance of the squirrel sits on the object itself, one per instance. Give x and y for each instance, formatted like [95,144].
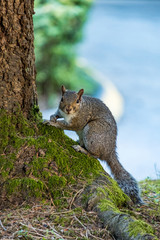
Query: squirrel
[96,127]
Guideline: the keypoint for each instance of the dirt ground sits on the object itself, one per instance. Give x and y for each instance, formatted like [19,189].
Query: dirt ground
[43,221]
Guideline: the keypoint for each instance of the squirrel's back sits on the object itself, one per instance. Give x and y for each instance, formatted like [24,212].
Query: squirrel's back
[97,109]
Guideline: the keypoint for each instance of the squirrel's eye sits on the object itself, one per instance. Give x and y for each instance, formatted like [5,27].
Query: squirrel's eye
[78,101]
[62,99]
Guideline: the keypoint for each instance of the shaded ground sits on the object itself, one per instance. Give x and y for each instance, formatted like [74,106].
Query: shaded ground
[43,221]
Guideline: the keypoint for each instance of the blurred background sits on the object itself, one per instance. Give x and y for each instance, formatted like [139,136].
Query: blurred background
[112,50]
[58,28]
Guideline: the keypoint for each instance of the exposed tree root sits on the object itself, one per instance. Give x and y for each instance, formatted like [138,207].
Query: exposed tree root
[121,225]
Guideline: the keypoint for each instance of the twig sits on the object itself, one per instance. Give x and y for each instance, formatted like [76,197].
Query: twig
[81,190]
[60,213]
[87,230]
[1,224]
[31,227]
[55,232]
[41,230]
[80,222]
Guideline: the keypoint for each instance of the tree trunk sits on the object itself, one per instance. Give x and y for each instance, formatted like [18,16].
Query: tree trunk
[17,59]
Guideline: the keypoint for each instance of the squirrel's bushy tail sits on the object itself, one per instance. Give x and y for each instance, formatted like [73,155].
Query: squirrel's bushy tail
[124,179]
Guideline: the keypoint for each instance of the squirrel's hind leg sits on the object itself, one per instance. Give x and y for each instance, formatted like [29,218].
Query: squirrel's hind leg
[80,149]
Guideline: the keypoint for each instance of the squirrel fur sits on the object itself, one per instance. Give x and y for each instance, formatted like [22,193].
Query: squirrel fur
[96,127]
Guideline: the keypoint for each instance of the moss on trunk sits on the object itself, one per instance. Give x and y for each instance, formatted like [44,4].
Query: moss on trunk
[38,161]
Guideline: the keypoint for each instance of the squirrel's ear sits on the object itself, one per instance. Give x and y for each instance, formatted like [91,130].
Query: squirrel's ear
[63,89]
[80,93]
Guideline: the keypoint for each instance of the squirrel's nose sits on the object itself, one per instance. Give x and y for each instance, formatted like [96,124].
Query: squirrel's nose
[68,109]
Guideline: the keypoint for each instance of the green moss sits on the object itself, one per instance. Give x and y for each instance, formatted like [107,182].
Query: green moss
[39,159]
[112,197]
[55,181]
[9,136]
[30,187]
[106,205]
[151,190]
[139,227]
[36,114]
[7,131]
[6,165]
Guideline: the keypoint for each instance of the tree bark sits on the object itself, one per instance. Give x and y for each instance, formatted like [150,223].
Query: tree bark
[17,59]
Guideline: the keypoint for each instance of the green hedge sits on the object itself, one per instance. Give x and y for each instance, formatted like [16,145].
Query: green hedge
[58,27]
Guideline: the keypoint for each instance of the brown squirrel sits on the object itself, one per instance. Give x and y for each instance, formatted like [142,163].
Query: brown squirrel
[95,125]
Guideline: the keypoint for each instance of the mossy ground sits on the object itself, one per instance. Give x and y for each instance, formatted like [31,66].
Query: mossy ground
[44,222]
[147,216]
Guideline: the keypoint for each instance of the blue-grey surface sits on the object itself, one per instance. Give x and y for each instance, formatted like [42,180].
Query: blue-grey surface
[122,40]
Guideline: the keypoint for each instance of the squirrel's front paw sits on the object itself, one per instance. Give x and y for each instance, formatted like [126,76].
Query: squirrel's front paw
[49,123]
[53,118]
